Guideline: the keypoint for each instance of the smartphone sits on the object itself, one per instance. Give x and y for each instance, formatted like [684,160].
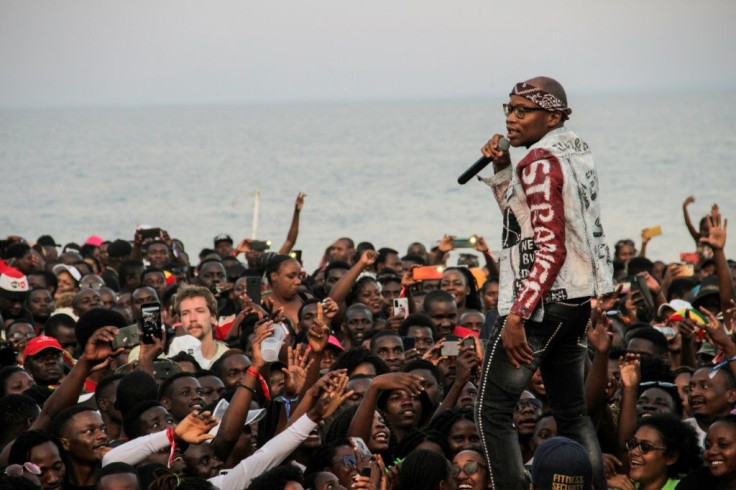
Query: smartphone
[651,232]
[253,288]
[150,233]
[409,343]
[689,257]
[668,332]
[450,347]
[360,446]
[613,313]
[260,245]
[688,270]
[150,322]
[296,255]
[464,242]
[469,342]
[640,283]
[401,307]
[427,273]
[129,336]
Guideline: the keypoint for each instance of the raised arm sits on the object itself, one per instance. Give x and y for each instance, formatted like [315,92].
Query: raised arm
[362,422]
[630,379]
[97,352]
[342,287]
[693,231]
[294,228]
[600,336]
[233,420]
[717,231]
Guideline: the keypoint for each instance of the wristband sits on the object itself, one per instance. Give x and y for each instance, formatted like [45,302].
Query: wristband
[241,385]
[264,385]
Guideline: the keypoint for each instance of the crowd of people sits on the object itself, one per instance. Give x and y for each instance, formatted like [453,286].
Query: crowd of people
[358,393]
[134,365]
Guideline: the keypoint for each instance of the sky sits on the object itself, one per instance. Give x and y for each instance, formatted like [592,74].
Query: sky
[180,52]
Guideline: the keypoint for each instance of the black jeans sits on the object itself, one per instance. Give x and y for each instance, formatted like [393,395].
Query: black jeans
[559,343]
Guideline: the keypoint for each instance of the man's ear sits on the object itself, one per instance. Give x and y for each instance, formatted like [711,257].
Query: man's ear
[103,404]
[731,396]
[64,443]
[554,119]
[166,403]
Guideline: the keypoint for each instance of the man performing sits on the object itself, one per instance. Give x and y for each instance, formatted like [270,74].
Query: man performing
[554,260]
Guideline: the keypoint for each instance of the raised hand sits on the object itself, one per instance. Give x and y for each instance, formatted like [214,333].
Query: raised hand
[295,374]
[332,396]
[98,347]
[481,245]
[628,366]
[410,383]
[434,354]
[446,243]
[467,363]
[299,204]
[600,333]
[263,331]
[330,308]
[368,258]
[318,336]
[166,238]
[194,427]
[716,237]
[717,334]
[688,201]
[609,301]
[243,246]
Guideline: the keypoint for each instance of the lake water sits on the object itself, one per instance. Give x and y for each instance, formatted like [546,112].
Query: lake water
[378,171]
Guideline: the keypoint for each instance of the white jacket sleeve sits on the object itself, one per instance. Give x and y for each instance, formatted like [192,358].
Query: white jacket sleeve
[136,450]
[271,454]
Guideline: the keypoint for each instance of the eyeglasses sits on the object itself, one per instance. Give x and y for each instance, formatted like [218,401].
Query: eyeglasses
[469,468]
[643,446]
[17,469]
[21,336]
[528,402]
[657,384]
[519,110]
[92,285]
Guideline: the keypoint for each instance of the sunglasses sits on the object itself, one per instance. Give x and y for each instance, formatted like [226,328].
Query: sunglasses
[17,469]
[643,446]
[528,402]
[469,468]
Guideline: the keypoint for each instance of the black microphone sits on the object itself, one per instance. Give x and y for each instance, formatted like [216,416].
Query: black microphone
[503,145]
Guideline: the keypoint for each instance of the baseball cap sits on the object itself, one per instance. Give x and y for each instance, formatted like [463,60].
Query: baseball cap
[40,343]
[58,268]
[93,240]
[223,237]
[674,305]
[47,240]
[13,283]
[562,464]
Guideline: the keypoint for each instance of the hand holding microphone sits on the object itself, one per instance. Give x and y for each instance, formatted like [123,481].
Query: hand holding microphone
[496,150]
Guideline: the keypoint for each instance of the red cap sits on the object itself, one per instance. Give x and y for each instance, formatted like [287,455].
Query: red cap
[94,240]
[42,342]
[335,343]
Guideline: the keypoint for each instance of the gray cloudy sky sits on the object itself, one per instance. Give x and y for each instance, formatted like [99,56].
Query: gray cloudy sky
[135,52]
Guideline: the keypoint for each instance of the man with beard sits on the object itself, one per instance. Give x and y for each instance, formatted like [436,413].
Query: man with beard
[197,309]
